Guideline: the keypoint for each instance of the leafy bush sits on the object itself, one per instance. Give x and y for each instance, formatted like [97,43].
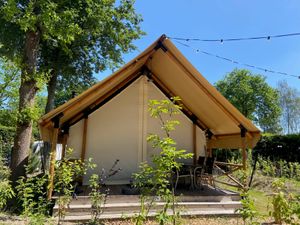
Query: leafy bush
[286,207]
[32,196]
[99,191]
[248,210]
[97,198]
[267,167]
[6,142]
[68,172]
[279,168]
[6,191]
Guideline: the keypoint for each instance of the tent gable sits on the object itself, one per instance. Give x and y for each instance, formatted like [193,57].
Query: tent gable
[170,71]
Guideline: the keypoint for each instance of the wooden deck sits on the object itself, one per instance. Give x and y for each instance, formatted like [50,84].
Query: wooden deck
[209,201]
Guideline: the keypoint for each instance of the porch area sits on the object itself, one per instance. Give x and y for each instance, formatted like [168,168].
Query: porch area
[122,203]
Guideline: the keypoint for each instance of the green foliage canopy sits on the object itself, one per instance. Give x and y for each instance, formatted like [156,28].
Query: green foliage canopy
[76,37]
[9,82]
[27,26]
[255,99]
[107,30]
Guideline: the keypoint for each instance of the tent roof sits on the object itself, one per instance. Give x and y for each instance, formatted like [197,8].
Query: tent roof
[163,63]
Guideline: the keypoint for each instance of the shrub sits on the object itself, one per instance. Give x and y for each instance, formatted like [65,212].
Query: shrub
[285,206]
[32,197]
[6,142]
[279,168]
[68,172]
[99,191]
[248,210]
[6,191]
[267,167]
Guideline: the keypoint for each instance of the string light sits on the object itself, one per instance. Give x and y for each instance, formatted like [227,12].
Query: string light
[237,62]
[222,40]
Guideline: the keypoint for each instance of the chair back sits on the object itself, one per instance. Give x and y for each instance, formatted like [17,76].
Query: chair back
[209,165]
[201,160]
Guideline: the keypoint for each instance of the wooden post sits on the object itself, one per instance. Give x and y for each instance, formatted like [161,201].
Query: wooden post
[244,152]
[53,155]
[194,143]
[65,140]
[83,148]
[209,135]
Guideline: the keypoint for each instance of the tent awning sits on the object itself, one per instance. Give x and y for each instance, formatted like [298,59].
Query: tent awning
[163,63]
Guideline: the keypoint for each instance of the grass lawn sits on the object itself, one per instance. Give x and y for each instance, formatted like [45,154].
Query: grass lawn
[261,192]
[261,201]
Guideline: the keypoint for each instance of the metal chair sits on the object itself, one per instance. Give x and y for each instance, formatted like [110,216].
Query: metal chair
[204,172]
[186,171]
[198,170]
[207,175]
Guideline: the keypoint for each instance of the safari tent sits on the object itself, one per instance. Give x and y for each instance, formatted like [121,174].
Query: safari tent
[110,120]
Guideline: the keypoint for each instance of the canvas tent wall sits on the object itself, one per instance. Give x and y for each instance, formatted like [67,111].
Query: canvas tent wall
[119,129]
[173,75]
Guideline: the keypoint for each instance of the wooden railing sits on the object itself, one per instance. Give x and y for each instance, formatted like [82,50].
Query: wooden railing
[232,167]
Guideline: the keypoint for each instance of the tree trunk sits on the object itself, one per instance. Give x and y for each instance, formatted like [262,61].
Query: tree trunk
[27,92]
[51,87]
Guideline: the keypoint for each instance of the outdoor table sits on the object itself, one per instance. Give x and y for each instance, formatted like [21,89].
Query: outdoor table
[186,170]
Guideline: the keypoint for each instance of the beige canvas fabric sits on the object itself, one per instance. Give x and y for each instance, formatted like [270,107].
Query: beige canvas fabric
[172,72]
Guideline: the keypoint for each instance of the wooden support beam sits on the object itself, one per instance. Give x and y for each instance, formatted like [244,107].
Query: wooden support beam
[226,183]
[231,171]
[194,143]
[64,143]
[228,164]
[244,152]
[249,135]
[243,144]
[53,154]
[209,135]
[84,135]
[65,132]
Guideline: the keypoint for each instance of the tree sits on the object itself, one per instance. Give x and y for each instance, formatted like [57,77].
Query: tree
[9,81]
[290,105]
[255,99]
[69,72]
[106,34]
[26,25]
[69,86]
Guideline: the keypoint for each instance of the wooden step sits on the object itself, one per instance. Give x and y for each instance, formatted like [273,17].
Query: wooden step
[131,206]
[135,198]
[82,212]
[87,217]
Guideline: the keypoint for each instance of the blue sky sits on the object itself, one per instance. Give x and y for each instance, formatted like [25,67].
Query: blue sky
[216,19]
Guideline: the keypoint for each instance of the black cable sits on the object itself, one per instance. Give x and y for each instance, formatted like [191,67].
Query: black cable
[239,63]
[221,40]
